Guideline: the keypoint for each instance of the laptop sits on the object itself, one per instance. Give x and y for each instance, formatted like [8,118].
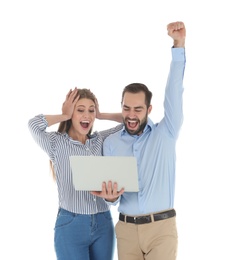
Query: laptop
[90,171]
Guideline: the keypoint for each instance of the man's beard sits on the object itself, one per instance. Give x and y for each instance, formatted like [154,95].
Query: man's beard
[141,127]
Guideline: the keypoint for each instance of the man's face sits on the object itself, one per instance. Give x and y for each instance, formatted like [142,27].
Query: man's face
[135,112]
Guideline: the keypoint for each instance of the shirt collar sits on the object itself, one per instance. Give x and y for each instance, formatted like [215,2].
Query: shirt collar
[76,141]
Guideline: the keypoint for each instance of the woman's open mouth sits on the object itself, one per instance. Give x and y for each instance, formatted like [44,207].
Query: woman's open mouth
[84,124]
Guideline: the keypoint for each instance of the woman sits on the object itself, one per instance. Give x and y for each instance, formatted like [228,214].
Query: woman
[84,228]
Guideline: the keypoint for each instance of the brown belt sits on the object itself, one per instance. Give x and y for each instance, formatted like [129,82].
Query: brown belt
[149,218]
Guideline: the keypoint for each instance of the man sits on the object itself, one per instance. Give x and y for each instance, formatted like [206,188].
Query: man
[147,222]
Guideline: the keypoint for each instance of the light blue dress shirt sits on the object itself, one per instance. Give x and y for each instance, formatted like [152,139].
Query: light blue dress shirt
[154,149]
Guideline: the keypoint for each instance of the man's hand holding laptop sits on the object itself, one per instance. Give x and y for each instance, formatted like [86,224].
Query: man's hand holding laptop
[109,191]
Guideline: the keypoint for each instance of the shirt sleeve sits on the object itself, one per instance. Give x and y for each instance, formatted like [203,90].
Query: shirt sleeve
[46,140]
[173,102]
[110,131]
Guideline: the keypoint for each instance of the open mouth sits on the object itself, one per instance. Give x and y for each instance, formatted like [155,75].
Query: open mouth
[84,124]
[132,123]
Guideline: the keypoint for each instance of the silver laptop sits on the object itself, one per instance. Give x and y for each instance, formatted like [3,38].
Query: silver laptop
[90,171]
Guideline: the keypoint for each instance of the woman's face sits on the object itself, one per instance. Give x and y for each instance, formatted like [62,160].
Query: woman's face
[83,116]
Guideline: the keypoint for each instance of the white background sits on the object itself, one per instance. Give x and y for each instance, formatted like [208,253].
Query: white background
[48,47]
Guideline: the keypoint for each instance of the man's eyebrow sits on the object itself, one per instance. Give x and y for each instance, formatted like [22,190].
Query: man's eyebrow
[138,107]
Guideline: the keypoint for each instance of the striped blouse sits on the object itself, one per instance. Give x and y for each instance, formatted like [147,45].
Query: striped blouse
[59,147]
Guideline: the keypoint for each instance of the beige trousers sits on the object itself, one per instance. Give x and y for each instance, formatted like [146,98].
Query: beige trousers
[153,241]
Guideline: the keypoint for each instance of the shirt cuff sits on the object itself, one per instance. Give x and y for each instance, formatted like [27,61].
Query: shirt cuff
[112,203]
[178,54]
[43,122]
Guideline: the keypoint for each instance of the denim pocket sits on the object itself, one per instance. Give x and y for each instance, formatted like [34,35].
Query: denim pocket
[107,215]
[64,218]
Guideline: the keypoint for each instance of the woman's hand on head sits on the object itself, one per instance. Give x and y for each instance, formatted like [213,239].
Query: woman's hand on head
[69,103]
[98,113]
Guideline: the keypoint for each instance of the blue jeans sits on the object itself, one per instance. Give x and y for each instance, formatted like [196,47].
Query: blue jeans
[84,237]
